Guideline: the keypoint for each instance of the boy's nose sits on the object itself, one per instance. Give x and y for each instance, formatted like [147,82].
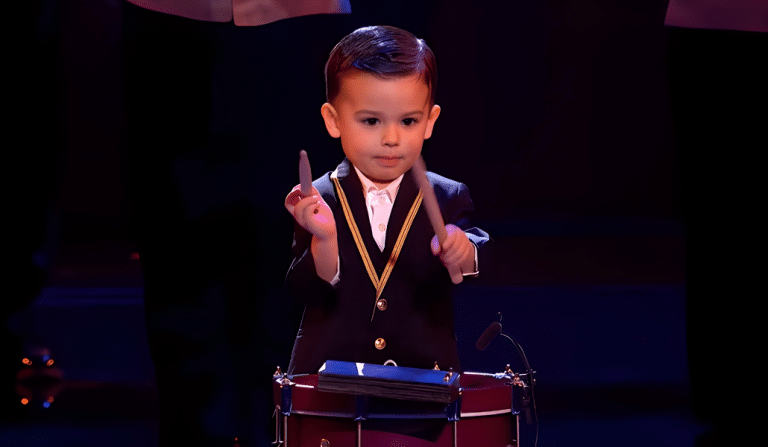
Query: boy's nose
[391,136]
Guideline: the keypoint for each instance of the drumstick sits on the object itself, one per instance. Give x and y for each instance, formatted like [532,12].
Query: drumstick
[305,174]
[433,211]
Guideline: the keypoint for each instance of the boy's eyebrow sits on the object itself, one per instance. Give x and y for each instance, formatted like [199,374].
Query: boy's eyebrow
[371,112]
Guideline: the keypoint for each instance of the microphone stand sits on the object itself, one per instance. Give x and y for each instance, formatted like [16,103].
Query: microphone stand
[521,398]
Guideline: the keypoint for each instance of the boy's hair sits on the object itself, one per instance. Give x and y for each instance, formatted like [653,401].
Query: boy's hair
[385,51]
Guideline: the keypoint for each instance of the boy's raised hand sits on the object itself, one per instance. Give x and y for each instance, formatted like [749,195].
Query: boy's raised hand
[311,213]
[457,252]
[314,215]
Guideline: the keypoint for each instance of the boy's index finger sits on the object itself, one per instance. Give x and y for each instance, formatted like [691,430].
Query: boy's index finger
[305,174]
[293,199]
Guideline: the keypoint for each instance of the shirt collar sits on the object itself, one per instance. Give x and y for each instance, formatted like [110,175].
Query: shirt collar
[392,188]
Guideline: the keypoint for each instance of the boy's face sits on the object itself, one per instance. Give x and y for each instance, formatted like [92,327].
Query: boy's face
[382,122]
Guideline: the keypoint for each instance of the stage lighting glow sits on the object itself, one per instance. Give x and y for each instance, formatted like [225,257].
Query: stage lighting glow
[26,361]
[46,404]
[24,401]
[49,362]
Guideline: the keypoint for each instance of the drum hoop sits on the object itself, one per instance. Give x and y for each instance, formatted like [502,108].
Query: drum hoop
[347,414]
[473,414]
[326,414]
[477,414]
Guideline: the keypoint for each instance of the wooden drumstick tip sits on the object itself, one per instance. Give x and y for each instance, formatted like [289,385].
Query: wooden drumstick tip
[305,174]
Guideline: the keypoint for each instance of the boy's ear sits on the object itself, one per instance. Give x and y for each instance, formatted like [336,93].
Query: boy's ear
[433,114]
[331,119]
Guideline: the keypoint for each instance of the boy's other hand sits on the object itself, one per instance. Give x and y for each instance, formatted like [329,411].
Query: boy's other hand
[311,213]
[457,251]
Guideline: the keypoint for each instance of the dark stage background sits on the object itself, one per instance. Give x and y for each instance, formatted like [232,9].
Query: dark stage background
[609,156]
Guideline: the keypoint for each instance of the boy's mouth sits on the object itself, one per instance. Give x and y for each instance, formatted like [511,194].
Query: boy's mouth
[388,162]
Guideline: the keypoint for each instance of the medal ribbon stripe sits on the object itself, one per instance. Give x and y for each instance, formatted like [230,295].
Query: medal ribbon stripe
[378,283]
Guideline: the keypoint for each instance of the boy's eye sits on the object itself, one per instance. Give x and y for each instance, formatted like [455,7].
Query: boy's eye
[371,121]
[409,121]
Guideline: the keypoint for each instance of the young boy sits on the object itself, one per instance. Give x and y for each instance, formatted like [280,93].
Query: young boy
[367,264]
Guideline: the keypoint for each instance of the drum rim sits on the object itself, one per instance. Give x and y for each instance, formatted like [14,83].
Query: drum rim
[351,414]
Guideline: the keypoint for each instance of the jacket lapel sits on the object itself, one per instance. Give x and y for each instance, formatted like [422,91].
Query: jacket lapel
[353,189]
[405,197]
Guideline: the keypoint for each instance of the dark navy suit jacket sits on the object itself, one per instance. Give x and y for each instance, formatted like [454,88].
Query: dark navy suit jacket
[417,325]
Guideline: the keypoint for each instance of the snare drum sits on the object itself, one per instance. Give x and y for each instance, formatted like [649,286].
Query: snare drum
[482,416]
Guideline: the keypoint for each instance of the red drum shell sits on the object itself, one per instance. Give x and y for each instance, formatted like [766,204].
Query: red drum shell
[483,393]
[485,420]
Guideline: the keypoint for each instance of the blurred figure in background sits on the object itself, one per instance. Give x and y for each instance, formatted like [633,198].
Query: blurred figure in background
[33,102]
[209,99]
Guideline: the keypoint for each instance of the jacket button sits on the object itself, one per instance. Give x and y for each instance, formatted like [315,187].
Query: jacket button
[380,343]
[381,304]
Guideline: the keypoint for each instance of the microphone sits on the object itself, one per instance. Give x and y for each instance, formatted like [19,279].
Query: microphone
[493,330]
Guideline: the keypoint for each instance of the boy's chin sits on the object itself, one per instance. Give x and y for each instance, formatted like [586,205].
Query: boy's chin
[382,179]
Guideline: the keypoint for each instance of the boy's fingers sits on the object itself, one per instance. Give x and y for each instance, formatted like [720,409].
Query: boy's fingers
[435,246]
[457,258]
[454,258]
[456,276]
[448,258]
[311,206]
[296,195]
[298,210]
[292,199]
[453,268]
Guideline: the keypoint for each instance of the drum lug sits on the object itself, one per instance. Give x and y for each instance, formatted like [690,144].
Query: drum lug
[361,408]
[519,394]
[453,410]
[284,408]
[285,394]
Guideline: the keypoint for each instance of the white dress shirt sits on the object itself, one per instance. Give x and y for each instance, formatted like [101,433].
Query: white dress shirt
[379,209]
